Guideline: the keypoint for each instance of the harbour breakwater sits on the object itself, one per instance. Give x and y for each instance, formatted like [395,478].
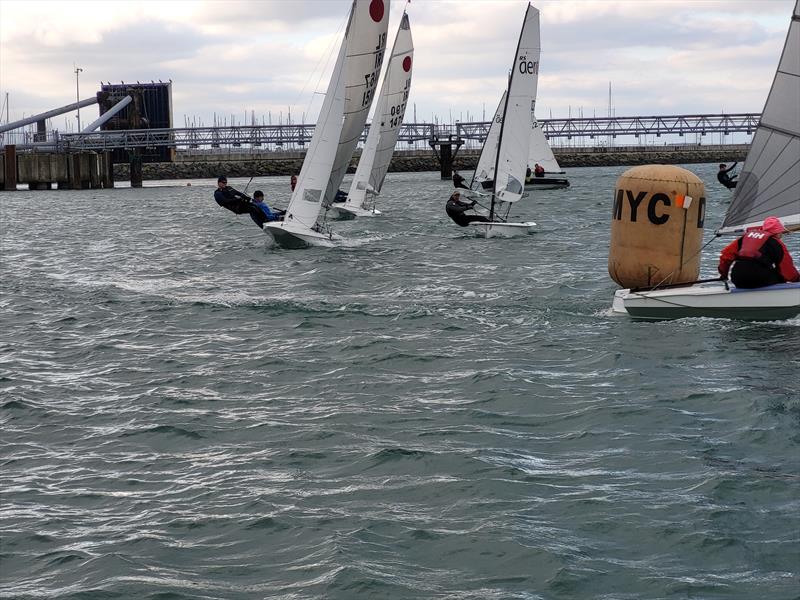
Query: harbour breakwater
[202,165]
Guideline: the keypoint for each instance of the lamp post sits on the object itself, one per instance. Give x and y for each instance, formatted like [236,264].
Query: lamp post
[78,70]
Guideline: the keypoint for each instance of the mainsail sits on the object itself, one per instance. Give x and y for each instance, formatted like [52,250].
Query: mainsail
[770,180]
[515,130]
[382,138]
[306,198]
[362,69]
[540,152]
[484,171]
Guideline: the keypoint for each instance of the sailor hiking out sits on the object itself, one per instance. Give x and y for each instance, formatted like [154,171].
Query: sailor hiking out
[758,258]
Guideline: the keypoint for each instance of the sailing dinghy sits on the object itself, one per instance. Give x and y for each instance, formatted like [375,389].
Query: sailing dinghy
[513,137]
[768,185]
[382,137]
[540,153]
[340,123]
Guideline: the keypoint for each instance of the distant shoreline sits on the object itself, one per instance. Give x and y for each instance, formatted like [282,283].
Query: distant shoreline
[206,165]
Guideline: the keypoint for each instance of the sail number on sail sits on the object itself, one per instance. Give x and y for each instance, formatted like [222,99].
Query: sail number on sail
[528,67]
[398,111]
[371,79]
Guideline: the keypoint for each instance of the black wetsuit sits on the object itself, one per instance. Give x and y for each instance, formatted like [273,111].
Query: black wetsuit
[761,271]
[458,181]
[455,210]
[233,200]
[725,179]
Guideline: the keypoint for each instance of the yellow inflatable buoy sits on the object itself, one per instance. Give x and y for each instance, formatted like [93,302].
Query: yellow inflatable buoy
[656,226]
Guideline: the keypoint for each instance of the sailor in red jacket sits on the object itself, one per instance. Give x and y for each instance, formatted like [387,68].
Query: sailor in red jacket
[759,257]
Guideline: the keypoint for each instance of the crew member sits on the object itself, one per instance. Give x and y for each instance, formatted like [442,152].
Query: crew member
[261,213]
[234,200]
[725,179]
[538,170]
[759,257]
[458,181]
[293,182]
[456,210]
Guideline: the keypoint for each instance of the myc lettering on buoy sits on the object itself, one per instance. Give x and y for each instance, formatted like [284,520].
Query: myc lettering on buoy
[656,226]
[626,201]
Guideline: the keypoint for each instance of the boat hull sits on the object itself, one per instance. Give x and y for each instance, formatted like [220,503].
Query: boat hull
[285,235]
[546,183]
[504,230]
[771,303]
[344,212]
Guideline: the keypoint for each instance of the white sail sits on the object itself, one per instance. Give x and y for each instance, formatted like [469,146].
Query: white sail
[391,106]
[540,152]
[364,57]
[515,131]
[770,180]
[484,171]
[306,200]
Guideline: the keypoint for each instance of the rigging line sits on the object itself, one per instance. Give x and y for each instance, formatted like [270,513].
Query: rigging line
[327,55]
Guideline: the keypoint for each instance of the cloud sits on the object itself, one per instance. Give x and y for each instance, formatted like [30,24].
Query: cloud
[236,57]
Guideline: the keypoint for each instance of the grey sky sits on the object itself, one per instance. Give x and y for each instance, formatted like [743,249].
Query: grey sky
[236,57]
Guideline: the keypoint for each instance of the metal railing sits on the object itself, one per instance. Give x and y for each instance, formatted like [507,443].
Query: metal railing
[417,135]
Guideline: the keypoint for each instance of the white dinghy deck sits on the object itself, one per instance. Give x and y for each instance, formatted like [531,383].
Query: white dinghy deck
[288,235]
[713,299]
[501,230]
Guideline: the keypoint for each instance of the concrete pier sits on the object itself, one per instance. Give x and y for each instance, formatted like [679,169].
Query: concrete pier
[46,170]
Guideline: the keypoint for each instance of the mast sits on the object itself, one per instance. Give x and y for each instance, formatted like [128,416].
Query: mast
[505,109]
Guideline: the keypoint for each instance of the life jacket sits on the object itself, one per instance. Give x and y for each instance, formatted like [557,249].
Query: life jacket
[752,243]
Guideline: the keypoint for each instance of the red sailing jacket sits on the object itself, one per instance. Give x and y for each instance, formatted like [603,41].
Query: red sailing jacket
[760,246]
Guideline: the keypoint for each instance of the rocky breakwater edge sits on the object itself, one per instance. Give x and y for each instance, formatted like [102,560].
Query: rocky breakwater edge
[199,165]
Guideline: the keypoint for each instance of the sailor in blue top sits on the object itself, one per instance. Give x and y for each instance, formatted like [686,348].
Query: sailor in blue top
[262,213]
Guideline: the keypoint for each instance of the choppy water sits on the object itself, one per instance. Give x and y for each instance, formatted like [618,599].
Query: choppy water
[187,413]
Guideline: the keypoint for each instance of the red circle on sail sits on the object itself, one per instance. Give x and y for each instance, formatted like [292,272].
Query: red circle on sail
[407,64]
[376,10]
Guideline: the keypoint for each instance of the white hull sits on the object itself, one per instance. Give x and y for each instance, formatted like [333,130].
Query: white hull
[771,303]
[350,211]
[504,230]
[288,235]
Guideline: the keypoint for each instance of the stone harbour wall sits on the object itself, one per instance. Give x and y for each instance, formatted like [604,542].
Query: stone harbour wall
[207,166]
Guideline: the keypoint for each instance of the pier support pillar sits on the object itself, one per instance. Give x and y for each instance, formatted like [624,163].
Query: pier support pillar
[445,154]
[10,168]
[107,170]
[75,171]
[446,161]
[136,168]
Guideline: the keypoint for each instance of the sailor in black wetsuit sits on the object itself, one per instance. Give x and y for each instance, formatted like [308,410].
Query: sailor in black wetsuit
[458,181]
[725,179]
[229,198]
[455,209]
